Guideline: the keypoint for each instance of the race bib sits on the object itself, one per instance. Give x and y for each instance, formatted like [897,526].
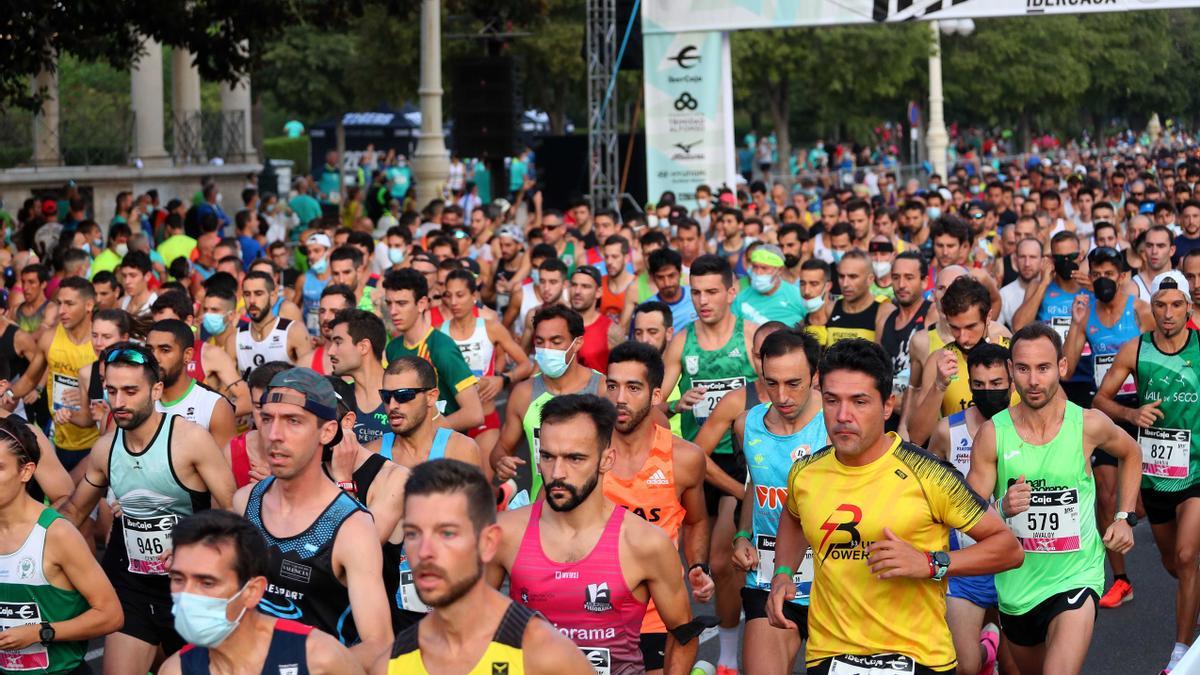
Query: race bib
[1062,324]
[1165,452]
[874,664]
[61,384]
[715,390]
[1051,525]
[408,592]
[1103,362]
[146,539]
[766,566]
[33,657]
[312,321]
[600,659]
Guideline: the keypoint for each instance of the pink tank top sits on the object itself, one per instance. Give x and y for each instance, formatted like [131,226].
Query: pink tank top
[588,600]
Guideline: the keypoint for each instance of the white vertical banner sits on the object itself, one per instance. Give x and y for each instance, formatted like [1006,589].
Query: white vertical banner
[689,108]
[731,168]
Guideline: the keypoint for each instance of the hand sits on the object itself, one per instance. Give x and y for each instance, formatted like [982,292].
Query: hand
[1147,415]
[1046,274]
[71,398]
[507,467]
[947,368]
[345,453]
[1118,538]
[893,557]
[782,590]
[745,556]
[1082,278]
[115,507]
[702,585]
[1016,499]
[258,472]
[502,285]
[61,416]
[1080,309]
[489,387]
[689,399]
[99,410]
[20,637]
[31,397]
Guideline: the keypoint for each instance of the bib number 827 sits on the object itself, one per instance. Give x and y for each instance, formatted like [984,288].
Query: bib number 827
[1162,452]
[1040,521]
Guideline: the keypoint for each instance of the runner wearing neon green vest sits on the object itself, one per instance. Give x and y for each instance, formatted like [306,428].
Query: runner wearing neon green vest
[1035,460]
[557,338]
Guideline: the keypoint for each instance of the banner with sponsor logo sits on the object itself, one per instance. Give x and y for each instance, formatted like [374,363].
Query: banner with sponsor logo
[665,16]
[689,140]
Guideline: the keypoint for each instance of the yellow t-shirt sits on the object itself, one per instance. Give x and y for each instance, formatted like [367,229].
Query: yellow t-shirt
[64,360]
[958,393]
[843,510]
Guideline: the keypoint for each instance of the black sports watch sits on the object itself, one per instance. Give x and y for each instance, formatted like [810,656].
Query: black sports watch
[703,568]
[46,633]
[1128,516]
[941,564]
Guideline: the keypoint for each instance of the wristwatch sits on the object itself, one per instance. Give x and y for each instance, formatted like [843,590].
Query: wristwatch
[1127,516]
[939,564]
[46,633]
[703,568]
[348,486]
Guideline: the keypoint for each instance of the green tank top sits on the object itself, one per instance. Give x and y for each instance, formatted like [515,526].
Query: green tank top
[720,371]
[538,398]
[27,597]
[1170,462]
[367,304]
[1063,551]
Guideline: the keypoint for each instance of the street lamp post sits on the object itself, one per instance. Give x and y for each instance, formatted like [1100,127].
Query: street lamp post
[431,162]
[937,140]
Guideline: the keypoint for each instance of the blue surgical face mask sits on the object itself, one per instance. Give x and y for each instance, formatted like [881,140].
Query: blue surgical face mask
[535,276]
[552,362]
[837,256]
[86,248]
[1024,191]
[98,244]
[396,255]
[762,282]
[319,266]
[814,304]
[934,212]
[201,620]
[214,324]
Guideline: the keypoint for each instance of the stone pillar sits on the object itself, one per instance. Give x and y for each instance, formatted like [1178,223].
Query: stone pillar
[185,98]
[46,150]
[937,139]
[146,100]
[235,109]
[431,162]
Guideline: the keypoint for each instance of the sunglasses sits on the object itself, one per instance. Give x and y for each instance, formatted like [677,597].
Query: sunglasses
[401,396]
[550,228]
[127,356]
[1138,194]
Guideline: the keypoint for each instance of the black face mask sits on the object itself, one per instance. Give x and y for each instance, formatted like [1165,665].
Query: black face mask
[1064,265]
[1105,289]
[790,260]
[990,401]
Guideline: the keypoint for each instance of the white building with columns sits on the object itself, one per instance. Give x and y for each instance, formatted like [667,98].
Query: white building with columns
[175,174]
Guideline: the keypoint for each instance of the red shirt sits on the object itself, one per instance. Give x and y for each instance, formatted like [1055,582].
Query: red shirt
[594,352]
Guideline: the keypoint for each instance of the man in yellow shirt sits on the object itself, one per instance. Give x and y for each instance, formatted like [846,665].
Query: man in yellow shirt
[878,512]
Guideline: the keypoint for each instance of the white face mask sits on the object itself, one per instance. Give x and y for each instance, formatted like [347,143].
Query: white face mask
[703,204]
[652,220]
[881,268]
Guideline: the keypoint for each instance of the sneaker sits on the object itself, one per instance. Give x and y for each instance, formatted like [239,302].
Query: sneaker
[989,637]
[726,670]
[1118,594]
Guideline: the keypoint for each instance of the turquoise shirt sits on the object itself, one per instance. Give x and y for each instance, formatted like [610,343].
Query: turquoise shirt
[306,208]
[785,305]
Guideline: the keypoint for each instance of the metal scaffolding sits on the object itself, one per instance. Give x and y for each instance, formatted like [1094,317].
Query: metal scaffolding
[604,169]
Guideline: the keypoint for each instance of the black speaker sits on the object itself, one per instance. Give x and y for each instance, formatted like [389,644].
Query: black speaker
[485,107]
[632,60]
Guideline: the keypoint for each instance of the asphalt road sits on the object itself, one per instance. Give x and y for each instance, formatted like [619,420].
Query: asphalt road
[1134,639]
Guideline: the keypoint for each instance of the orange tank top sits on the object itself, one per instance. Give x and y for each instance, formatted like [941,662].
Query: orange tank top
[611,304]
[651,494]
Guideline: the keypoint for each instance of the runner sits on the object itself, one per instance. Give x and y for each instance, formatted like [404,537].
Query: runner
[1116,317]
[908,280]
[346,267]
[34,314]
[334,299]
[878,512]
[263,336]
[357,340]
[219,567]
[55,594]
[594,570]
[1034,460]
[219,313]
[656,476]
[325,562]
[60,356]
[599,332]
[708,360]
[970,598]
[816,285]
[557,333]
[666,271]
[768,298]
[406,294]
[483,344]
[309,286]
[134,271]
[551,289]
[209,363]
[160,468]
[109,326]
[470,626]
[857,313]
[171,341]
[1160,361]
[772,436]
[246,453]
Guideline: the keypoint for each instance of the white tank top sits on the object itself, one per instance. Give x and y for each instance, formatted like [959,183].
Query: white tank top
[196,405]
[529,302]
[477,350]
[252,354]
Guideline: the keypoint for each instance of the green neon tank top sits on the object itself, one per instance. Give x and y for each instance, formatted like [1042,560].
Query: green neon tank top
[1170,462]
[538,398]
[720,371]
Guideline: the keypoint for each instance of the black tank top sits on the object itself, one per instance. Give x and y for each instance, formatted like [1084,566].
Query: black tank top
[15,364]
[895,341]
[301,583]
[288,652]
[843,324]
[1010,272]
